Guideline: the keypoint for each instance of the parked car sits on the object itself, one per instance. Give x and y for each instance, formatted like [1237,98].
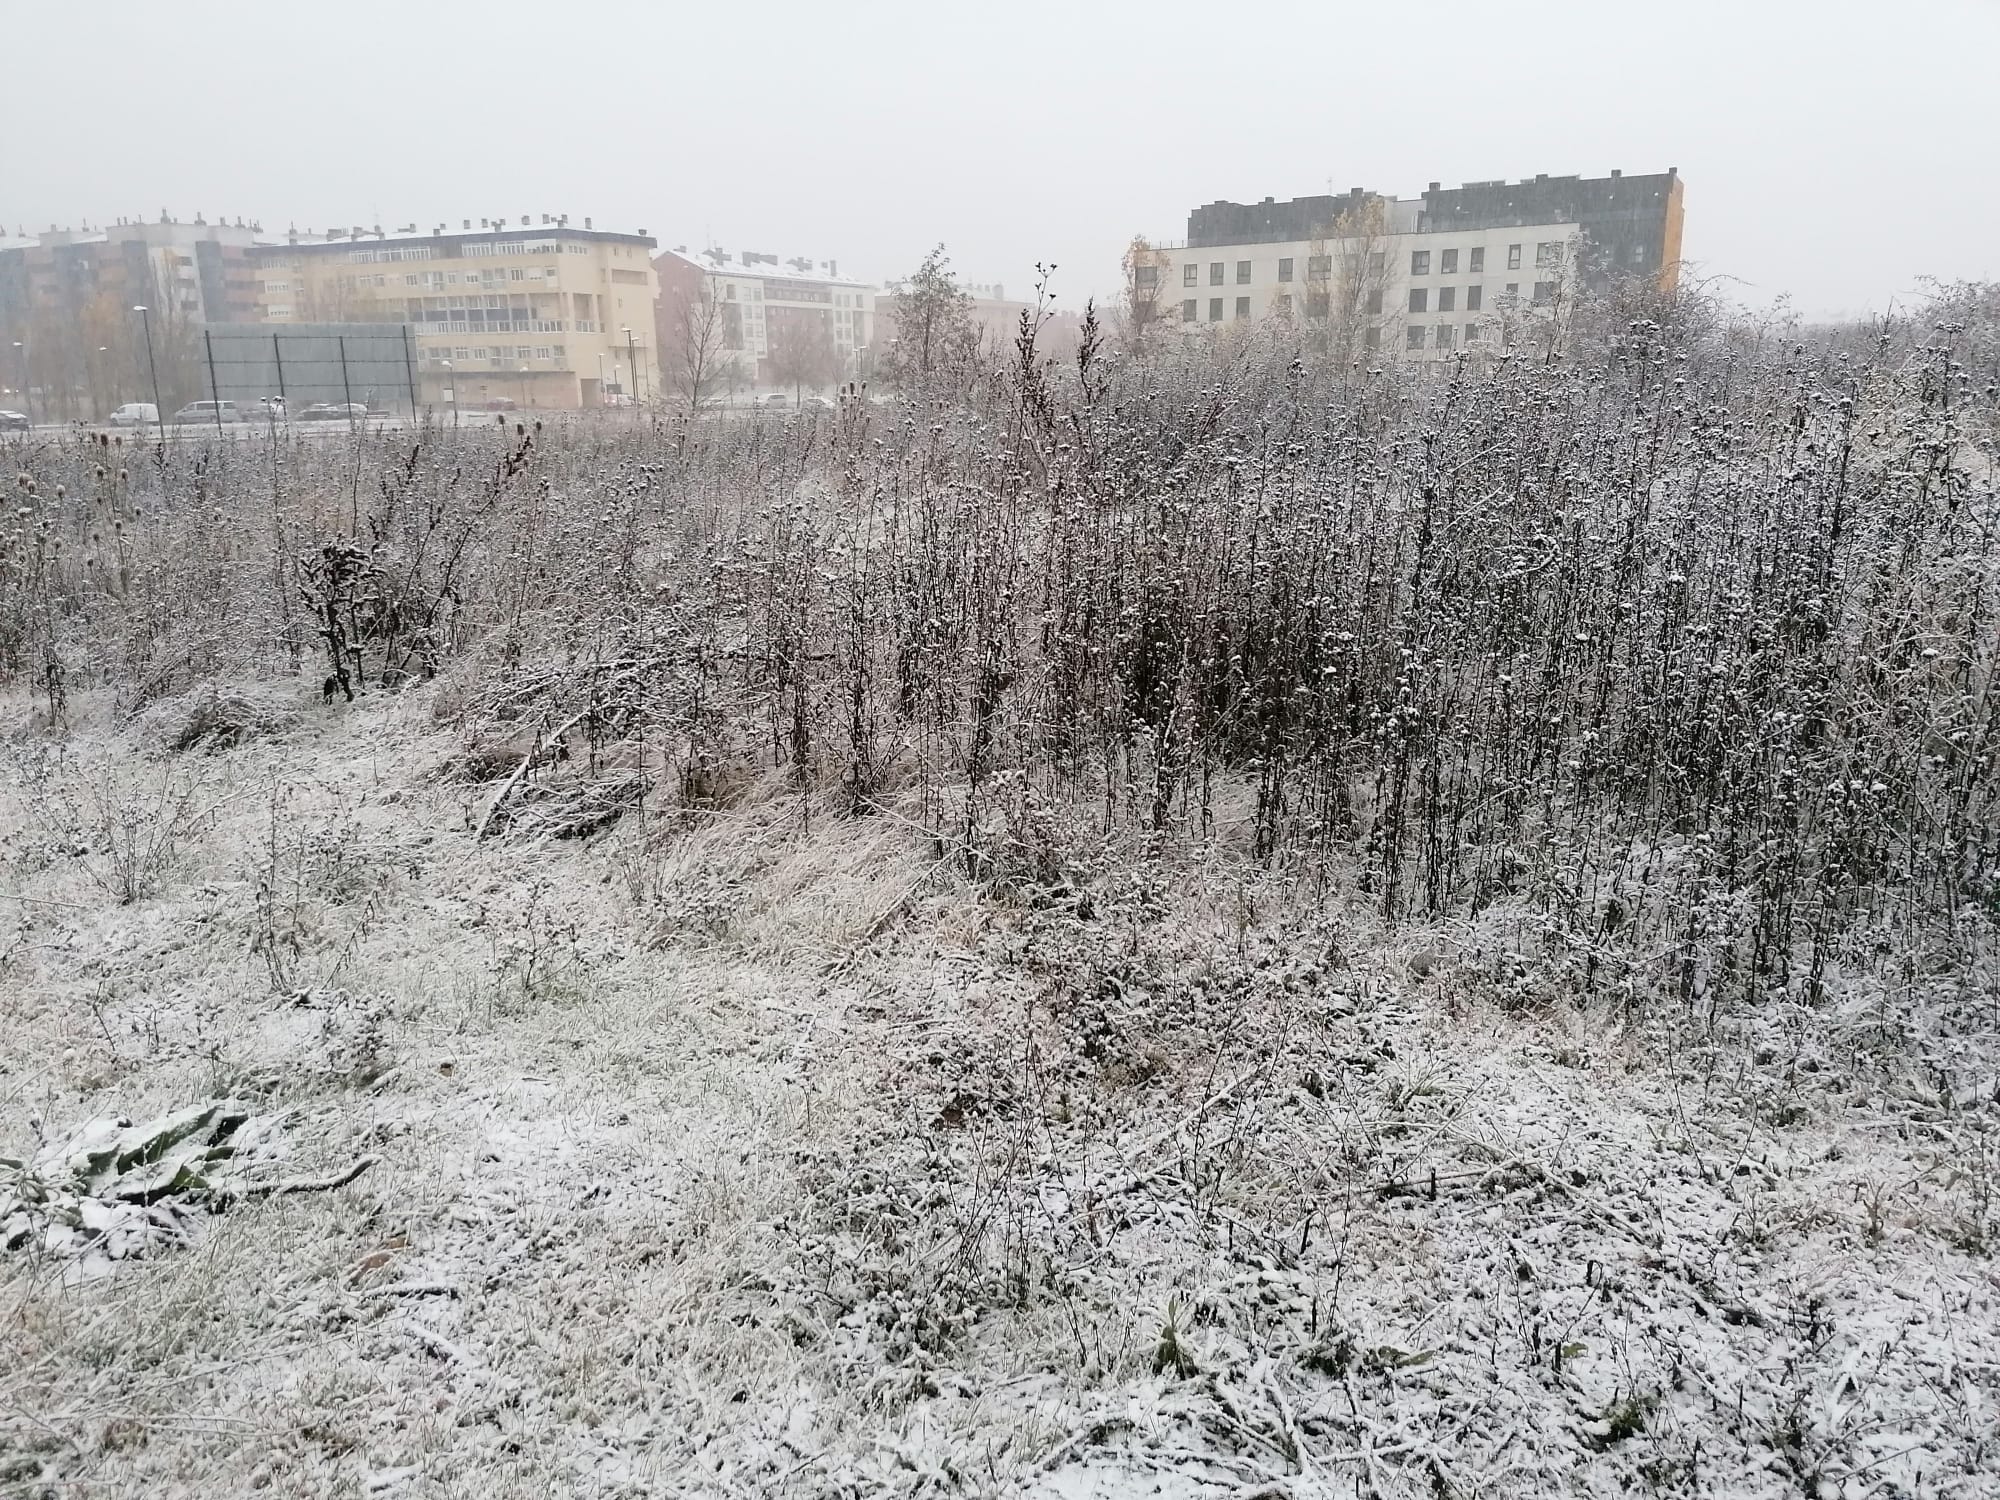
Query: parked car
[617,398]
[14,421]
[815,403]
[500,403]
[777,398]
[334,411]
[207,411]
[135,414]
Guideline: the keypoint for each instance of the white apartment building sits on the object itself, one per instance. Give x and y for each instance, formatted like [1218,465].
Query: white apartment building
[1469,267]
[765,301]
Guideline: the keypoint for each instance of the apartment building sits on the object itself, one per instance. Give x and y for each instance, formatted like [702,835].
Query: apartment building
[1480,266]
[73,343]
[770,319]
[543,315]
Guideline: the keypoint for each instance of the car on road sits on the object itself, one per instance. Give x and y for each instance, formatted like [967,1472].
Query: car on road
[135,414]
[207,411]
[334,411]
[15,421]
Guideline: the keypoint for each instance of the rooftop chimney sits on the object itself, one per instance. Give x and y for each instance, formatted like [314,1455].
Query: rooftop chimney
[1616,173]
[468,223]
[586,223]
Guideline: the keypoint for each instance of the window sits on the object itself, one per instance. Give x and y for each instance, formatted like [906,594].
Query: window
[542,351]
[1282,305]
[1316,305]
[1472,298]
[1215,309]
[1242,272]
[1420,263]
[1548,253]
[1319,265]
[1413,336]
[1513,257]
[1513,289]
[1284,268]
[1471,332]
[1444,333]
[1372,338]
[1190,274]
[1215,273]
[1420,299]
[1145,275]
[1545,291]
[1242,307]
[1188,308]
[1478,261]
[1374,304]
[1447,262]
[1378,262]
[1447,299]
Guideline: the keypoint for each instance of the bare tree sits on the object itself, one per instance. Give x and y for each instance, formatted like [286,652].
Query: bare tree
[802,352]
[1145,290]
[703,337]
[1348,279]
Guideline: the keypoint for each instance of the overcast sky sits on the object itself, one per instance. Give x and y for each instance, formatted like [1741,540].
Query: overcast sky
[1835,151]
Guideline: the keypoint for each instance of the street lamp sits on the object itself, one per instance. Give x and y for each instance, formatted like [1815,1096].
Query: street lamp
[159,411]
[524,385]
[27,395]
[101,365]
[452,389]
[632,348]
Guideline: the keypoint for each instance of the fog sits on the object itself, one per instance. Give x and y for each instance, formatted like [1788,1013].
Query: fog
[1833,152]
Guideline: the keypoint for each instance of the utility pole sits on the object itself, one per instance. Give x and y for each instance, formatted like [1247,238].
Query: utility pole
[159,411]
[632,348]
[27,396]
[410,374]
[214,395]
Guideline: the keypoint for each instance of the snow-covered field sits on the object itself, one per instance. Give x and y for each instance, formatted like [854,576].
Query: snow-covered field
[754,1152]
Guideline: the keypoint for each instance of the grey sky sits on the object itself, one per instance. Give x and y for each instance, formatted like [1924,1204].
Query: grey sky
[1835,151]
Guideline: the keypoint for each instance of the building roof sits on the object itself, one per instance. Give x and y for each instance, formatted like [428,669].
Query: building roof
[1539,199]
[365,238]
[755,263]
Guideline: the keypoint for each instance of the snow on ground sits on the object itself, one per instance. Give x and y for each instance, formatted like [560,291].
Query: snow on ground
[758,1155]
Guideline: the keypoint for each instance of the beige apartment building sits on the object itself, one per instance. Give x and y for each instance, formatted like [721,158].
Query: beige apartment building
[542,315]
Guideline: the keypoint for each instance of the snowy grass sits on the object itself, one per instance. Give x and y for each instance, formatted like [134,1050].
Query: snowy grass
[760,1193]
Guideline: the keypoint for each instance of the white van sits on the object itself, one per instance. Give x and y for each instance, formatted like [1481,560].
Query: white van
[135,414]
